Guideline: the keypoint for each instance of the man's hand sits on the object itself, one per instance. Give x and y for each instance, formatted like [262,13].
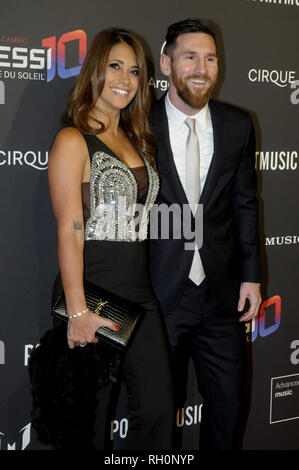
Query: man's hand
[252,292]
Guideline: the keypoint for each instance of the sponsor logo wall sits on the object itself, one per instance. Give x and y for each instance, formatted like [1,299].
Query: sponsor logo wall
[40,56]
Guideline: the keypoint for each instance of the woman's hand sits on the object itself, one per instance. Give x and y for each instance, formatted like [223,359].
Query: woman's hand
[81,330]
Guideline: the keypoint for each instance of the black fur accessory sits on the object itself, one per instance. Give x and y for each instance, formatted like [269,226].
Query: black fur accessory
[64,385]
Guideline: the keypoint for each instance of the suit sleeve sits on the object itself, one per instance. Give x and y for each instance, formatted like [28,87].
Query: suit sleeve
[245,210]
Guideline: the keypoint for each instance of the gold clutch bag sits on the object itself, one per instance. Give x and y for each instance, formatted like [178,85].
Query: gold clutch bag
[126,314]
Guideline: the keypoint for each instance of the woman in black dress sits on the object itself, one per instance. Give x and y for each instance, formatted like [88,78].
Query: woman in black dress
[105,155]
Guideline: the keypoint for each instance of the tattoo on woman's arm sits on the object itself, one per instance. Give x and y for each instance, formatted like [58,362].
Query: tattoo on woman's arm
[77,225]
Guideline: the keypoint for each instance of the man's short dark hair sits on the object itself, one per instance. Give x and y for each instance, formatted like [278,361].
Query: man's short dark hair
[191,25]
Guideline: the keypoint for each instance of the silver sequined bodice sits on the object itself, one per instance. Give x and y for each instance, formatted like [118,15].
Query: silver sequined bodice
[114,211]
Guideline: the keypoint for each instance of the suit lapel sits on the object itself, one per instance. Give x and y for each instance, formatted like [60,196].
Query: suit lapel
[220,137]
[166,164]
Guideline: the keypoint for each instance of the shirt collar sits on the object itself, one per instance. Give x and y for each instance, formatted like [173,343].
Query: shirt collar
[177,117]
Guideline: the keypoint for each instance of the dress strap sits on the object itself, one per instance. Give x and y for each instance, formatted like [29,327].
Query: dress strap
[91,144]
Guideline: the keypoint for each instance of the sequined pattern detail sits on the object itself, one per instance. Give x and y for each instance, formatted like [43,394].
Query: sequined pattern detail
[113,201]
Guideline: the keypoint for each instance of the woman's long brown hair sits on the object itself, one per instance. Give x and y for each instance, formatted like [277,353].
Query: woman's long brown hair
[134,118]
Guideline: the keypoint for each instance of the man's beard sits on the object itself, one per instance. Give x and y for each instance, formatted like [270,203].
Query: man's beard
[195,99]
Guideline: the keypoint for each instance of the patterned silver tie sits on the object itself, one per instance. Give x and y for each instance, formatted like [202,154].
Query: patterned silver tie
[196,274]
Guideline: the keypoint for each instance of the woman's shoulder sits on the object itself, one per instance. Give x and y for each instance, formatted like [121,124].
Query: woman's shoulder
[70,136]
[70,139]
[69,143]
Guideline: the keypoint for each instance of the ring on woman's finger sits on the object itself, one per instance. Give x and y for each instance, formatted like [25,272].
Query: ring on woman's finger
[82,345]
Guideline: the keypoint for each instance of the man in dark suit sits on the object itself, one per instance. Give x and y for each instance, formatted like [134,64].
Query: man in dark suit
[209,160]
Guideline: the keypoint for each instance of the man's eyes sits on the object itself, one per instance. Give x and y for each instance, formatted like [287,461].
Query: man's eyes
[208,59]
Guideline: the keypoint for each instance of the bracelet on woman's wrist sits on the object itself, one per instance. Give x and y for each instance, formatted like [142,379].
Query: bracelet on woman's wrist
[78,314]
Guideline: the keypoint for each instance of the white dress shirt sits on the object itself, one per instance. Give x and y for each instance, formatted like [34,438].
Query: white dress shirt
[178,133]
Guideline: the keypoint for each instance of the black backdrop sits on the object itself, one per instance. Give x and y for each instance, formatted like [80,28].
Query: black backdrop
[42,45]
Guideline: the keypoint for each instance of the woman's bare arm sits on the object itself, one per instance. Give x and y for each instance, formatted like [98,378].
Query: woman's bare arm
[66,167]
